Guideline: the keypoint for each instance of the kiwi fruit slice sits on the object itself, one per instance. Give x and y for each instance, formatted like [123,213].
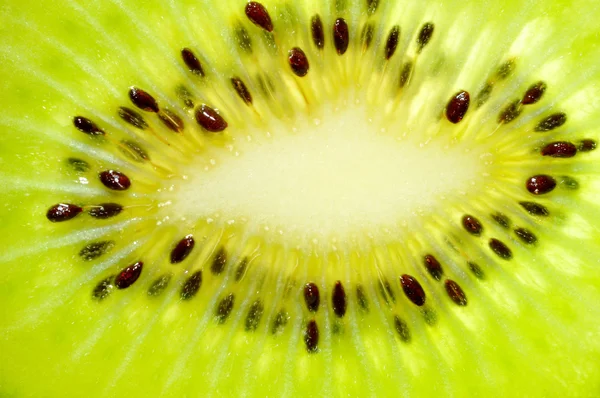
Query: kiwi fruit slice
[333,198]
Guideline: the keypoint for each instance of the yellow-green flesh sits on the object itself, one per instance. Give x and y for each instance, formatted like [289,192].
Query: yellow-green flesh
[336,176]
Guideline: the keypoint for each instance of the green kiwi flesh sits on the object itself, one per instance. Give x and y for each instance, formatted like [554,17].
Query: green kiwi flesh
[449,248]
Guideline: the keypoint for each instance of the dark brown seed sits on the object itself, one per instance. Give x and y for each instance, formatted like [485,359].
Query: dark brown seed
[85,125]
[209,119]
[402,329]
[171,120]
[182,249]
[159,285]
[218,264]
[424,36]
[405,73]
[258,14]
[535,209]
[105,210]
[311,296]
[192,62]
[103,288]
[502,220]
[316,28]
[372,6]
[551,122]
[241,269]
[79,165]
[412,289]
[433,266]
[143,100]
[132,117]
[476,270]
[506,69]
[392,42]
[458,106]
[484,94]
[298,62]
[500,249]
[510,112]
[93,250]
[129,275]
[63,212]
[367,35]
[338,299]
[134,151]
[224,308]
[560,149]
[540,184]
[534,93]
[361,297]
[472,225]
[341,37]
[455,292]
[386,291]
[311,337]
[191,286]
[587,145]
[526,236]
[281,319]
[115,180]
[254,314]
[241,90]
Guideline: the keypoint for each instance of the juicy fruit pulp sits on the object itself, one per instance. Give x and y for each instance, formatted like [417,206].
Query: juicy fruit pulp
[181,215]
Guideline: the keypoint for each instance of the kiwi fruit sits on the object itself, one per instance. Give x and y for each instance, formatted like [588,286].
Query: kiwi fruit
[300,198]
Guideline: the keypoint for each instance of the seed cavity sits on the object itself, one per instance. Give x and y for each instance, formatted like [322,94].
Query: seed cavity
[392,42]
[424,36]
[134,151]
[86,126]
[311,337]
[510,112]
[560,149]
[458,106]
[476,270]
[182,249]
[143,100]
[191,286]
[338,299]
[129,275]
[372,6]
[587,145]
[241,269]
[241,90]
[535,209]
[472,225]
[171,120]
[341,37]
[159,285]
[316,28]
[115,180]
[224,308]
[132,117]
[257,13]
[281,319]
[506,69]
[500,249]
[361,297]
[63,212]
[433,266]
[254,314]
[551,122]
[484,95]
[78,165]
[103,288]
[402,329]
[502,220]
[367,35]
[185,96]
[209,119]
[412,289]
[243,39]
[311,296]
[569,182]
[192,62]
[218,264]
[534,93]
[405,73]
[526,236]
[455,292]
[386,291]
[540,184]
[93,250]
[298,62]
[105,210]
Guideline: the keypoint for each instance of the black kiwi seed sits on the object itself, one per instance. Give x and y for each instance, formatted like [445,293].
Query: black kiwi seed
[182,249]
[254,314]
[171,120]
[412,289]
[103,288]
[526,236]
[455,292]
[535,209]
[129,275]
[85,125]
[472,225]
[587,145]
[311,336]
[534,93]
[218,264]
[115,180]
[500,249]
[551,122]
[476,270]
[433,266]
[63,212]
[78,165]
[93,250]
[191,286]
[241,90]
[298,62]
[341,37]
[281,319]
[209,119]
[386,291]
[502,220]
[540,184]
[316,28]
[311,296]
[134,151]
[241,269]
[510,112]
[159,285]
[372,6]
[192,62]
[458,106]
[257,13]
[132,117]
[143,100]
[424,36]
[361,297]
[392,42]
[402,329]
[367,35]
[224,308]
[338,299]
[105,210]
[405,73]
[560,149]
